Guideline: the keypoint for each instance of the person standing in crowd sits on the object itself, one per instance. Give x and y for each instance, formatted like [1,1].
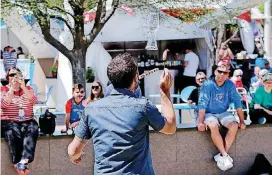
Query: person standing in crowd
[96,92]
[225,54]
[215,96]
[237,78]
[246,74]
[119,124]
[267,66]
[19,52]
[9,58]
[191,62]
[21,130]
[200,78]
[261,105]
[74,108]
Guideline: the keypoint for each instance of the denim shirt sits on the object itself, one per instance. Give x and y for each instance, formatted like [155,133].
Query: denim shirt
[118,125]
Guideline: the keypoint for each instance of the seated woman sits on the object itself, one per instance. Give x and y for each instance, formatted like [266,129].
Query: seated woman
[261,105]
[237,78]
[259,83]
[74,107]
[200,78]
[96,92]
[21,130]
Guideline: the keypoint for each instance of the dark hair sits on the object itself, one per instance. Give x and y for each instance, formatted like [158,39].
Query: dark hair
[121,70]
[91,96]
[6,48]
[77,86]
[20,49]
[7,74]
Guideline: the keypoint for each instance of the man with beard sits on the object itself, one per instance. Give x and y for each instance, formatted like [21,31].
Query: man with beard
[200,78]
[74,108]
[216,94]
[119,123]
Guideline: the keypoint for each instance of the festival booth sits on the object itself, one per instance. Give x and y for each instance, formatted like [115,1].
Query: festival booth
[126,32]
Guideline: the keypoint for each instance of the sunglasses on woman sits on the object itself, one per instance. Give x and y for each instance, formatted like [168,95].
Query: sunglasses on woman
[12,75]
[95,87]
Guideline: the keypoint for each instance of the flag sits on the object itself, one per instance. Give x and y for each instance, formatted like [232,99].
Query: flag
[245,16]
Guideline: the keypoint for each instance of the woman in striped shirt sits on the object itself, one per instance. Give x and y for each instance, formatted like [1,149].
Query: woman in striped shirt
[21,130]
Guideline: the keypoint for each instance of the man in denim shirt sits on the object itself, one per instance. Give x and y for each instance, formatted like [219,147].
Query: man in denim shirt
[216,94]
[118,124]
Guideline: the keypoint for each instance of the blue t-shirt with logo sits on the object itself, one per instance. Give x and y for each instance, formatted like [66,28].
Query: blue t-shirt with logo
[216,99]
[119,127]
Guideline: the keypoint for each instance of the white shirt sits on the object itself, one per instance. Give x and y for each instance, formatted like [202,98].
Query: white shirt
[193,62]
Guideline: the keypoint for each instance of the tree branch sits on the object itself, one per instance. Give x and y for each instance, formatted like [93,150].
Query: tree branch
[65,22]
[101,18]
[62,10]
[58,45]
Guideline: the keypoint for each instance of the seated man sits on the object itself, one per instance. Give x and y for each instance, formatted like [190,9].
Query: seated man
[216,95]
[74,108]
[261,106]
[200,78]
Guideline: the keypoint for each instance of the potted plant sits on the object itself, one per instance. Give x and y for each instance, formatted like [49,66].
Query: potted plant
[54,70]
[89,75]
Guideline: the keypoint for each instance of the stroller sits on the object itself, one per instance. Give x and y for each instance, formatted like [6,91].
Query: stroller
[246,99]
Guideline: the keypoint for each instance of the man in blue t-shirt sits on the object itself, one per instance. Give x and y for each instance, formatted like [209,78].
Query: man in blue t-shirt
[119,123]
[216,94]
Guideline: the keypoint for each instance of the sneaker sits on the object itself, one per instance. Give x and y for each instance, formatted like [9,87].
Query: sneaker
[22,169]
[224,163]
[262,120]
[219,155]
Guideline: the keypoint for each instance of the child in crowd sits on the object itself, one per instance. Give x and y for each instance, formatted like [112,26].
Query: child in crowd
[74,108]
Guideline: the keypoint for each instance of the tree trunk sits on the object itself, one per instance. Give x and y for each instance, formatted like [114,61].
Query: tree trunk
[79,67]
[219,39]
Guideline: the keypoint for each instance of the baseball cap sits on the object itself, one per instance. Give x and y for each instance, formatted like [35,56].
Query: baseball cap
[267,77]
[263,72]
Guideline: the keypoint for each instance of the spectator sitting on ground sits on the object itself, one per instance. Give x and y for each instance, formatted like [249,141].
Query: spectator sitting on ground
[254,79]
[74,108]
[200,78]
[96,92]
[267,66]
[237,78]
[261,105]
[19,52]
[21,130]
[216,95]
[259,82]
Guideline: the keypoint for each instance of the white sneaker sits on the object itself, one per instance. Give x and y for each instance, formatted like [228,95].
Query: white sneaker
[224,163]
[217,157]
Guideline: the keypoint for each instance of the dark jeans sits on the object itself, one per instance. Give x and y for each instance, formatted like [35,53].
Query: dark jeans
[255,114]
[21,138]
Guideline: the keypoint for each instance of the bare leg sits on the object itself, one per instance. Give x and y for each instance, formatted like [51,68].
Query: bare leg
[230,137]
[217,138]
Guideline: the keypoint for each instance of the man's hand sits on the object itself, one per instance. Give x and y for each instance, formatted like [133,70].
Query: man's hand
[166,81]
[242,125]
[75,124]
[75,159]
[201,127]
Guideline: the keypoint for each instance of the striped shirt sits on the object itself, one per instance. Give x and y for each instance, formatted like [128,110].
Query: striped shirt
[11,110]
[9,60]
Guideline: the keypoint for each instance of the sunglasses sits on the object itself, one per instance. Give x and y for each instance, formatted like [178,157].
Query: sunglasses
[201,79]
[95,87]
[12,74]
[238,75]
[222,72]
[82,92]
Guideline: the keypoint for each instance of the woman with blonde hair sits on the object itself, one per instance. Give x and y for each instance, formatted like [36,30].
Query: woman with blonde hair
[96,92]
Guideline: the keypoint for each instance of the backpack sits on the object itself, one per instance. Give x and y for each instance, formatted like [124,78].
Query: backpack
[47,123]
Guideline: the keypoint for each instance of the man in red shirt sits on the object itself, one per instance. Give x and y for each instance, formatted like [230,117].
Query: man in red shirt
[74,107]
